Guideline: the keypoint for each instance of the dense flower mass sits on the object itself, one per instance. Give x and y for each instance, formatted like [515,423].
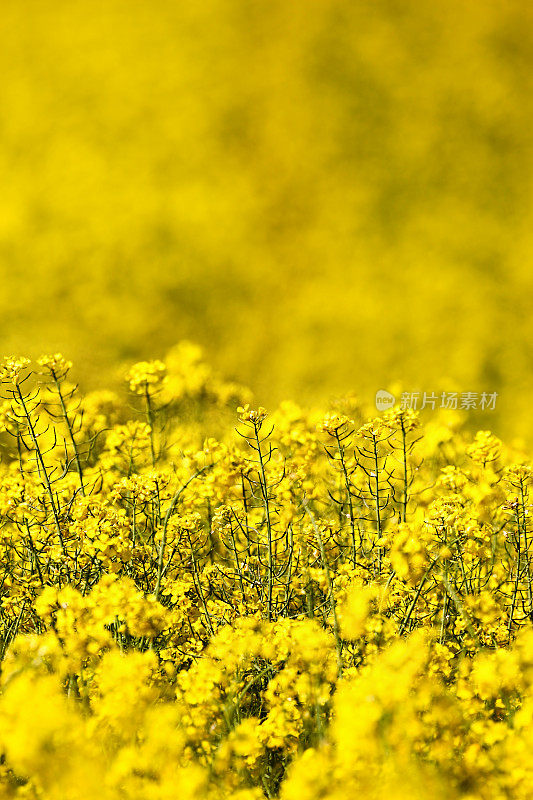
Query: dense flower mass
[203,600]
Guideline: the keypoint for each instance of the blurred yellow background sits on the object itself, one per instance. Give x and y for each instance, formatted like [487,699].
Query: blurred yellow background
[328,195]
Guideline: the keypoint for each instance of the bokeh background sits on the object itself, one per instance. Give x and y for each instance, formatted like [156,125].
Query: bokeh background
[328,195]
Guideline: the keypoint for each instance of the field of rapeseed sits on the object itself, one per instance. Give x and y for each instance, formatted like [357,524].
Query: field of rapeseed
[329,598]
[200,599]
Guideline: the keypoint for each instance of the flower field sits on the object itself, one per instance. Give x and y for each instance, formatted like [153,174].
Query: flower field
[200,599]
[299,567]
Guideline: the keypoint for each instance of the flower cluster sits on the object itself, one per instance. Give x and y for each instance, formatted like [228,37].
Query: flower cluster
[146,376]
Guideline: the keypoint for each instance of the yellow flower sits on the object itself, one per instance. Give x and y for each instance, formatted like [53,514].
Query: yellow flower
[13,368]
[256,417]
[146,376]
[485,448]
[56,364]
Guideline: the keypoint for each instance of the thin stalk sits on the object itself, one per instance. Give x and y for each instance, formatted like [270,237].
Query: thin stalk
[42,468]
[70,431]
[173,502]
[266,506]
[336,630]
